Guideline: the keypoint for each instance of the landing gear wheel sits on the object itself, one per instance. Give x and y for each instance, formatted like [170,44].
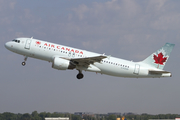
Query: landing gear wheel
[80,76]
[23,63]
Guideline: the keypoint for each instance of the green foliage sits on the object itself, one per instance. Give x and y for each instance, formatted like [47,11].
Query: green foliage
[75,117]
[111,117]
[8,116]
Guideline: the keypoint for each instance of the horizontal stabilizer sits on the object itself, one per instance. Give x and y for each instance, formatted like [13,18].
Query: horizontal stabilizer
[157,72]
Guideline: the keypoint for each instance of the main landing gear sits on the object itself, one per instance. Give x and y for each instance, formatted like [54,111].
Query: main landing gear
[80,75]
[24,63]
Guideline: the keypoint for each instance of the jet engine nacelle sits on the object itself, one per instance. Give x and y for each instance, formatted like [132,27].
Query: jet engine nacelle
[62,64]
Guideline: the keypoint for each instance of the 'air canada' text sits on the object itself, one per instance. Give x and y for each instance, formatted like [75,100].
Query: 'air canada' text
[60,47]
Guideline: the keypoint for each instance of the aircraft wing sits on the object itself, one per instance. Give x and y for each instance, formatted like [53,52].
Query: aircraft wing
[88,60]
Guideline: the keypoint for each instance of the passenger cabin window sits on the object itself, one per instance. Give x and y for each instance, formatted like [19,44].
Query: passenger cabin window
[18,41]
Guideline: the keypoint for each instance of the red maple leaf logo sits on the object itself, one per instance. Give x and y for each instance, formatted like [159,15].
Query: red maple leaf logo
[38,42]
[159,59]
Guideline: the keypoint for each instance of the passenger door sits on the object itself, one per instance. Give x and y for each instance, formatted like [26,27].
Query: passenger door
[28,44]
[136,69]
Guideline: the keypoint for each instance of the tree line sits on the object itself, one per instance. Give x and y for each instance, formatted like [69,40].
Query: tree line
[36,116]
[41,116]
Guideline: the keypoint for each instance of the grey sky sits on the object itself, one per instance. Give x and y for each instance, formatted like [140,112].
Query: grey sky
[129,29]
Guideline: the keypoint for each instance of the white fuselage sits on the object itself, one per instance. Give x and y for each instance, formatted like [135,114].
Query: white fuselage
[43,50]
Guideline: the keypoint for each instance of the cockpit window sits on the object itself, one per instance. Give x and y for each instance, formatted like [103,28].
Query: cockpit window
[18,41]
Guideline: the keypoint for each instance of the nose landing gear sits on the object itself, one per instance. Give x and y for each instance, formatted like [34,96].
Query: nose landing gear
[24,63]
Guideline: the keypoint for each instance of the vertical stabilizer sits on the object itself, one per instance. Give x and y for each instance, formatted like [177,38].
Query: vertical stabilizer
[159,58]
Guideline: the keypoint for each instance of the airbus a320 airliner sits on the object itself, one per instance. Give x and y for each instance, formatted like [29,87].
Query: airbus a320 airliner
[64,57]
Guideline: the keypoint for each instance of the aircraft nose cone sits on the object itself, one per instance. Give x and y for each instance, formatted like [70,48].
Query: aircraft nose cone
[7,45]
